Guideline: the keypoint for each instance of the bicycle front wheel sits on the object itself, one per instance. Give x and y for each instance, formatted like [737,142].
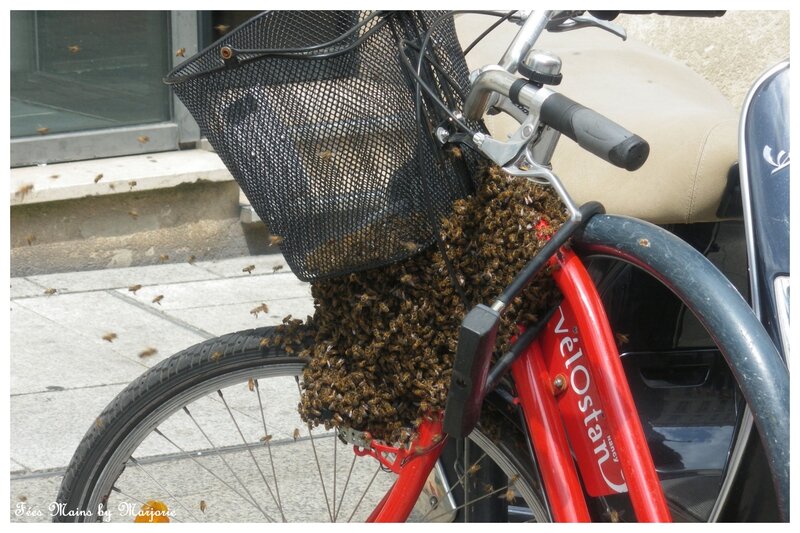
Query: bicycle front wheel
[213,434]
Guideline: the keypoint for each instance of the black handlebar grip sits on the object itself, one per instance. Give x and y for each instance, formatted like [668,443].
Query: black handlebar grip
[594,132]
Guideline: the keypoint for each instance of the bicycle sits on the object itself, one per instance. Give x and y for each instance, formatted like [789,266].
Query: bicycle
[509,449]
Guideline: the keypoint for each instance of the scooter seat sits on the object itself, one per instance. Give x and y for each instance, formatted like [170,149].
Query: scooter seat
[691,127]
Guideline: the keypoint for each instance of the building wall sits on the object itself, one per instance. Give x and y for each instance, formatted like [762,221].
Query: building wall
[753,40]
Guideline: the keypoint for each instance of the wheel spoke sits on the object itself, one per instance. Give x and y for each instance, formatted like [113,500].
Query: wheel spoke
[316,459]
[364,493]
[458,482]
[222,458]
[346,482]
[162,487]
[137,500]
[479,498]
[250,452]
[333,500]
[269,449]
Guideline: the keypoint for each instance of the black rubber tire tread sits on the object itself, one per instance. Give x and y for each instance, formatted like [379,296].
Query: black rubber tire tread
[185,370]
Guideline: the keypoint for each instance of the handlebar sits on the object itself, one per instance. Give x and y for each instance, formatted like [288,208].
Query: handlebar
[611,15]
[592,131]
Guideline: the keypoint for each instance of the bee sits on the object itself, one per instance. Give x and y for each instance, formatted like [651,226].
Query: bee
[260,309]
[325,155]
[216,356]
[98,422]
[455,151]
[30,239]
[286,319]
[275,240]
[74,48]
[488,488]
[622,338]
[296,434]
[23,191]
[98,178]
[251,384]
[143,139]
[42,131]
[55,176]
[408,279]
[163,258]
[134,288]
[222,28]
[157,299]
[147,352]
[473,469]
[203,506]
[181,52]
[266,438]
[510,496]
[275,268]
[132,184]
[613,515]
[110,336]
[50,292]
[410,246]
[265,343]
[249,268]
[134,214]
[22,498]
[191,259]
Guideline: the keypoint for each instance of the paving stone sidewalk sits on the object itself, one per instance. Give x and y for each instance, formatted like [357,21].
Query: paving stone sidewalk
[63,372]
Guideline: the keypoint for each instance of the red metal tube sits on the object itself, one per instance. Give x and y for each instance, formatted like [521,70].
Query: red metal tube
[643,484]
[549,439]
[401,498]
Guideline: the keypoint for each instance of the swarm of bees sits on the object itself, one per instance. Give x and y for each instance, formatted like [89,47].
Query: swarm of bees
[381,343]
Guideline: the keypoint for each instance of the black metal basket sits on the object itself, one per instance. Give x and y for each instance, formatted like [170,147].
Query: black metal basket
[314,115]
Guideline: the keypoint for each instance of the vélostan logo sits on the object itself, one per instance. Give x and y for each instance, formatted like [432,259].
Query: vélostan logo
[779,162]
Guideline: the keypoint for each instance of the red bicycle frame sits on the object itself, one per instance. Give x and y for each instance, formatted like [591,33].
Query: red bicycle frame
[575,398]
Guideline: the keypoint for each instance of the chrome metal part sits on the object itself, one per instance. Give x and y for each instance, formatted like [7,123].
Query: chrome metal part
[586,21]
[437,499]
[361,439]
[543,62]
[533,27]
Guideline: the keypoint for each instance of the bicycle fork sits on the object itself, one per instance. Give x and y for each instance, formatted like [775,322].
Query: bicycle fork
[574,396]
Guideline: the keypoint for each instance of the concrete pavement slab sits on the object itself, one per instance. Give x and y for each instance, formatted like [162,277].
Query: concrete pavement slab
[91,280]
[223,319]
[254,288]
[31,497]
[21,288]
[16,467]
[48,355]
[96,314]
[232,267]
[47,426]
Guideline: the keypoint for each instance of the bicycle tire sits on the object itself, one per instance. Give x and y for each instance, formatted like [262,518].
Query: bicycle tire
[750,354]
[229,355]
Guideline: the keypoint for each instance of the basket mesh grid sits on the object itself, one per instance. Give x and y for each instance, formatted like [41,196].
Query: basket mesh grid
[325,146]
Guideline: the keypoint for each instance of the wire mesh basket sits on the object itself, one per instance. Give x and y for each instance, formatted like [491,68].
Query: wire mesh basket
[314,115]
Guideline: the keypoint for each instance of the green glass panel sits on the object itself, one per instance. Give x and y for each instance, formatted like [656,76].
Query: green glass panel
[84,70]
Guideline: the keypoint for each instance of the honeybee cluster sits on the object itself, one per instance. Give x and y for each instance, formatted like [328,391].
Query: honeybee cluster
[385,339]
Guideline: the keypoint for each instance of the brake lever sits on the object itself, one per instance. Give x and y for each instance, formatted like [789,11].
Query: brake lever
[504,104]
[576,22]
